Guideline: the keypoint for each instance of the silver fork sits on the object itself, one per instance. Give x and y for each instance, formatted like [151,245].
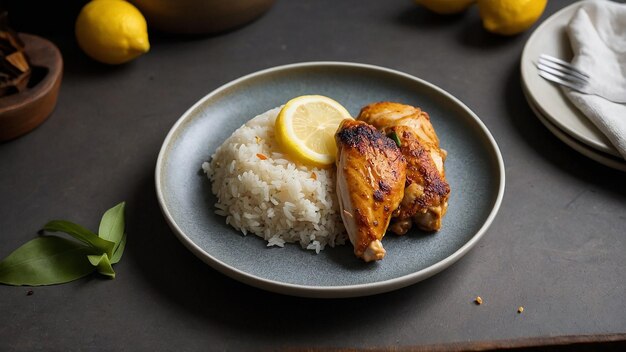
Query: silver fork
[563,73]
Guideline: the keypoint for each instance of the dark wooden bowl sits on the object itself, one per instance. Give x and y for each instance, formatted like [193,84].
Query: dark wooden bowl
[22,112]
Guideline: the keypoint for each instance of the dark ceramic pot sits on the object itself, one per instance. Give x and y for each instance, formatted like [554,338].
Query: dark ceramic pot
[200,16]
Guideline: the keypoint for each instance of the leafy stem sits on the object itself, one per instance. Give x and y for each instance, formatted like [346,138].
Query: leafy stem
[49,260]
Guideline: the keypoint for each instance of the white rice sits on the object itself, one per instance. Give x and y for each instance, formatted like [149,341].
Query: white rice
[259,191]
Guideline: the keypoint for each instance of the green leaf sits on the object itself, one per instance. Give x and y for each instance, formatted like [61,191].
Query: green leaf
[46,260]
[82,234]
[102,264]
[112,224]
[117,253]
[394,136]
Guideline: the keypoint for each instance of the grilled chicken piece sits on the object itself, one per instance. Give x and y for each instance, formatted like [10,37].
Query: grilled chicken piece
[370,185]
[426,194]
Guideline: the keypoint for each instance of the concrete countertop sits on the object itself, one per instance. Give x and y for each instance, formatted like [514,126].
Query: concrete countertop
[557,246]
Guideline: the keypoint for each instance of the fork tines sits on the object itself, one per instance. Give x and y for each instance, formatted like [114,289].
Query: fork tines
[558,62]
[561,72]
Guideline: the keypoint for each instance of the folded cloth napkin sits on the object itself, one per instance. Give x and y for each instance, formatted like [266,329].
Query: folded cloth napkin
[597,33]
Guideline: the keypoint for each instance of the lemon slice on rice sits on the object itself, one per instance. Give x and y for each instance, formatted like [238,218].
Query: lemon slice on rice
[305,129]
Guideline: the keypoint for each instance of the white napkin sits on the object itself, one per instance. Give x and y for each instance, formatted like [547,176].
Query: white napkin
[597,33]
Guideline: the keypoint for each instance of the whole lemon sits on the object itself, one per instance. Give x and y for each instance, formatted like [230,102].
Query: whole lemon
[508,17]
[112,31]
[446,7]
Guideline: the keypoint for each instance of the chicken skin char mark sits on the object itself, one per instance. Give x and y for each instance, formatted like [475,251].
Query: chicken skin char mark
[371,174]
[426,193]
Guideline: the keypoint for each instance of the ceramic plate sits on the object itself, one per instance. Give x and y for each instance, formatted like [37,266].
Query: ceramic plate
[474,169]
[603,158]
[551,38]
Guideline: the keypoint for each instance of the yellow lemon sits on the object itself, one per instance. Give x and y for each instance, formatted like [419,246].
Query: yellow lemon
[446,7]
[305,129]
[508,17]
[112,31]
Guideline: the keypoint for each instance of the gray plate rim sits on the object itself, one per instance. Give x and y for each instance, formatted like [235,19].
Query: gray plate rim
[325,291]
[549,98]
[602,158]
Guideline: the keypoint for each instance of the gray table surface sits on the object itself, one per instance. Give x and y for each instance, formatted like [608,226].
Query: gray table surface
[557,246]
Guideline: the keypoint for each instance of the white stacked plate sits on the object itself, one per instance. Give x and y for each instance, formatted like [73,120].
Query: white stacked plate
[548,101]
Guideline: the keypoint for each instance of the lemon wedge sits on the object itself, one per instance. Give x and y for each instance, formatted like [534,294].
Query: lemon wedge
[305,129]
